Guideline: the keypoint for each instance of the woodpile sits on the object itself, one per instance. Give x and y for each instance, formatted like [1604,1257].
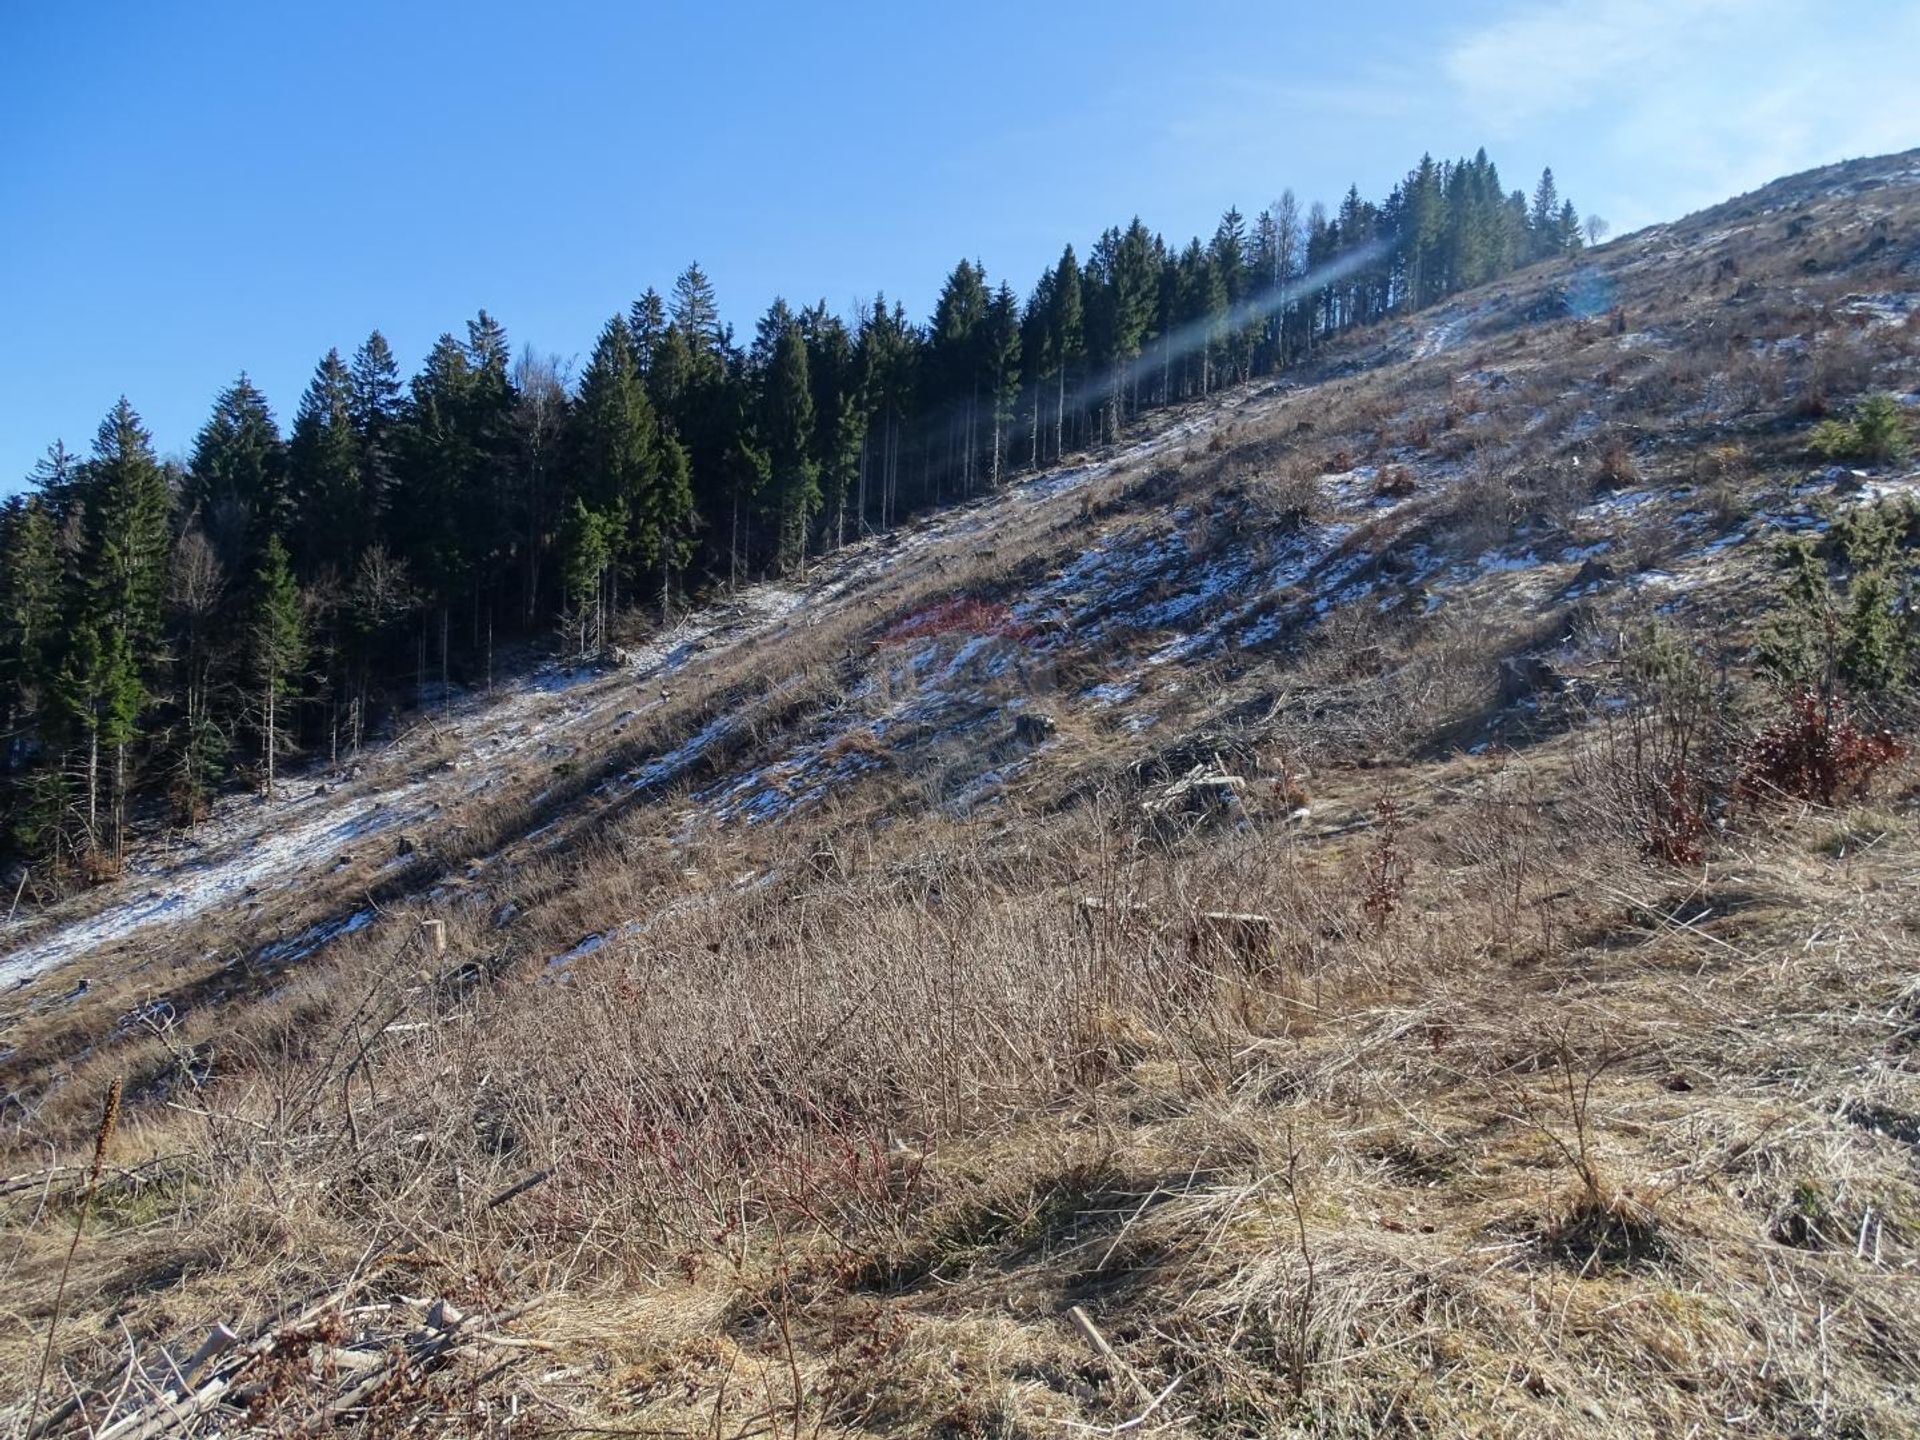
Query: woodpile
[327,1366]
[1205,792]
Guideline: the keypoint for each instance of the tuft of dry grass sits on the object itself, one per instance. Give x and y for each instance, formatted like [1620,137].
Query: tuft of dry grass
[1510,1123]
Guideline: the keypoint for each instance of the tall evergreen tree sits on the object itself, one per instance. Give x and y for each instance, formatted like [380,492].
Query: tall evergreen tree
[1066,339]
[332,510]
[1001,339]
[786,410]
[646,328]
[277,649]
[617,453]
[1543,219]
[114,630]
[377,405]
[237,483]
[30,586]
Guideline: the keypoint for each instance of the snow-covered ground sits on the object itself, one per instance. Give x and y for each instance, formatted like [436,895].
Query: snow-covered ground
[1150,593]
[253,849]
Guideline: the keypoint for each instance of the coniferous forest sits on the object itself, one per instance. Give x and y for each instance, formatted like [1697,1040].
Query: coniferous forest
[168,630]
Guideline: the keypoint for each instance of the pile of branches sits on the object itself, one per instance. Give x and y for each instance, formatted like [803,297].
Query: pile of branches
[330,1365]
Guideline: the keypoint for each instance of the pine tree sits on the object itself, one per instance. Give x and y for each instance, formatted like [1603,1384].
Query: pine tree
[1228,252]
[668,517]
[30,592]
[954,366]
[1066,337]
[1001,336]
[616,448]
[376,407]
[586,553]
[332,519]
[115,629]
[839,409]
[237,483]
[786,410]
[1543,220]
[1567,228]
[487,420]
[646,328]
[696,313]
[885,357]
[277,651]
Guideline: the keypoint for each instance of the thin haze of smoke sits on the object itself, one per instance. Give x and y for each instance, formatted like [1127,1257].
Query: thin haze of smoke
[1186,341]
[1196,335]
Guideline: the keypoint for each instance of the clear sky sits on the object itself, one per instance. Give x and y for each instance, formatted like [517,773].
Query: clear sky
[189,188]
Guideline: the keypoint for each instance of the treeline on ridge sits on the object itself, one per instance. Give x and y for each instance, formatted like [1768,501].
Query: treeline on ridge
[166,629]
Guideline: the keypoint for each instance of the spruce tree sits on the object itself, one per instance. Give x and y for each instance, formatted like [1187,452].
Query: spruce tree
[376,407]
[115,628]
[646,328]
[839,409]
[617,454]
[331,506]
[30,592]
[277,651]
[1001,336]
[696,313]
[1066,338]
[786,409]
[1228,252]
[586,554]
[1543,219]
[668,517]
[237,483]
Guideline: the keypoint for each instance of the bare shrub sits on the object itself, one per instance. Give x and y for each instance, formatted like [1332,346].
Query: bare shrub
[1815,753]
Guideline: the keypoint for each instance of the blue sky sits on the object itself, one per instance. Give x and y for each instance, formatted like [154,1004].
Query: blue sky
[192,189]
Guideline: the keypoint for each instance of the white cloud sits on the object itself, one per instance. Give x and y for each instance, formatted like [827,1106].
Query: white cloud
[1546,60]
[1673,104]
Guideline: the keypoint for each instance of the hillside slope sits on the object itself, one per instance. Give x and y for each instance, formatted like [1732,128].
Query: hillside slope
[1230,886]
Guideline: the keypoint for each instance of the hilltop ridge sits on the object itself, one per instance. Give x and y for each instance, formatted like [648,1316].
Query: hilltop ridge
[1297,888]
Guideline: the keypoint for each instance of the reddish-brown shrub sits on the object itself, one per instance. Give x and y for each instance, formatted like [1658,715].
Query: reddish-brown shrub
[1815,753]
[1677,818]
[962,615]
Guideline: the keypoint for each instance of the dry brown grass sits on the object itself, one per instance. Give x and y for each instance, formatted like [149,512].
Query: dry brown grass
[875,1129]
[822,1126]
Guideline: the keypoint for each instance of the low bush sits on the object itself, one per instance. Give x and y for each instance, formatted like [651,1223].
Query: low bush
[1815,753]
[1877,433]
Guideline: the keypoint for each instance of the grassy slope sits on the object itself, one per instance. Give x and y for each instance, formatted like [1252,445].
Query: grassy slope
[1515,1132]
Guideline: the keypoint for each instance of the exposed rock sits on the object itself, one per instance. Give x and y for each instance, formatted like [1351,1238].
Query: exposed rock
[1524,675]
[1031,728]
[1594,571]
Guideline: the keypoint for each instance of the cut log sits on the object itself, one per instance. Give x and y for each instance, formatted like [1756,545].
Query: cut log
[219,1340]
[1099,916]
[1250,940]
